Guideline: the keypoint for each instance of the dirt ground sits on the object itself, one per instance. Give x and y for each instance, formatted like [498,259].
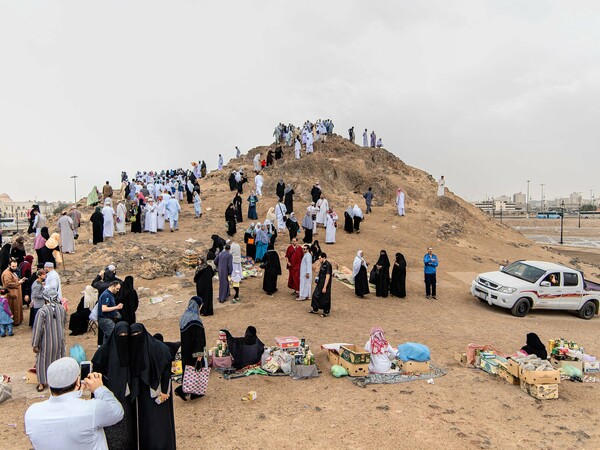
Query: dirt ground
[467,408]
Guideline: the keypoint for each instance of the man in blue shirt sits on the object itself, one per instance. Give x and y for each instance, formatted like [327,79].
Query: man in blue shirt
[108,309]
[431,262]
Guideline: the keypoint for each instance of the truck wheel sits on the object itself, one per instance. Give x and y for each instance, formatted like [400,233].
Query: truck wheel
[587,311]
[521,308]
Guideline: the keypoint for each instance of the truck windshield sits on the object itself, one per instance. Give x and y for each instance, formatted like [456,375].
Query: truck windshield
[524,271]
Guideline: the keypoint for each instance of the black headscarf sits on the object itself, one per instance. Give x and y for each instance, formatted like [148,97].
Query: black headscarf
[250,336]
[383,260]
[112,360]
[126,286]
[44,233]
[535,346]
[400,260]
[148,359]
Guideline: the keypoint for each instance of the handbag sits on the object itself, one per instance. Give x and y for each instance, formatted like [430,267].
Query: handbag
[195,380]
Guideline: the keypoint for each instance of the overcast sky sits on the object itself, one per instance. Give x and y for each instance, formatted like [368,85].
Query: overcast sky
[488,93]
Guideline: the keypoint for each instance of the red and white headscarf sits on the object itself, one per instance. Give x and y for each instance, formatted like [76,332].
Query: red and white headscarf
[379,344]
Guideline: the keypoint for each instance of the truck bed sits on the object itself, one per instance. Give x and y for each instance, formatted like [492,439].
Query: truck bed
[590,286]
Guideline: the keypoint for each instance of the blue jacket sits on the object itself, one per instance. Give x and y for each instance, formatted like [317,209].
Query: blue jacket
[431,262]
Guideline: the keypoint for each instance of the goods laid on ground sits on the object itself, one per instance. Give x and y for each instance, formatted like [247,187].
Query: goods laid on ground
[538,377]
[571,359]
[190,258]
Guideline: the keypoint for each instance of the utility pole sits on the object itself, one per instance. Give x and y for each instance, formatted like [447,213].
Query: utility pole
[75,186]
[542,199]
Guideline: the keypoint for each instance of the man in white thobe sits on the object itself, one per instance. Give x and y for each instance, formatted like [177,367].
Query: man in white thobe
[400,201]
[365,139]
[256,162]
[305,275]
[160,213]
[309,143]
[65,224]
[172,210]
[121,213]
[151,223]
[280,211]
[220,164]
[441,186]
[323,207]
[109,219]
[258,183]
[330,227]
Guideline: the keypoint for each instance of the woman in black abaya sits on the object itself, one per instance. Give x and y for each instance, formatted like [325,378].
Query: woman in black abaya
[193,340]
[535,346]
[230,219]
[382,275]
[272,268]
[246,350]
[359,272]
[204,285]
[97,220]
[237,204]
[348,220]
[129,298]
[112,361]
[398,284]
[150,372]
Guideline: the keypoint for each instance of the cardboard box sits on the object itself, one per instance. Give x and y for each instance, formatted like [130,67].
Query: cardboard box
[284,342]
[560,363]
[540,391]
[489,365]
[31,378]
[355,354]
[513,368]
[333,356]
[507,376]
[415,366]
[541,377]
[591,367]
[355,370]
[460,357]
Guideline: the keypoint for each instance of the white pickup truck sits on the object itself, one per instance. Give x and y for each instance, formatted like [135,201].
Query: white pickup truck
[525,285]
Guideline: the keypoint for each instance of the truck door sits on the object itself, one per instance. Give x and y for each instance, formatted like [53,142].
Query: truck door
[550,292]
[572,291]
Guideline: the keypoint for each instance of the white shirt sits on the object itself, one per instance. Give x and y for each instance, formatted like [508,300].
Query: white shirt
[53,281]
[380,362]
[67,422]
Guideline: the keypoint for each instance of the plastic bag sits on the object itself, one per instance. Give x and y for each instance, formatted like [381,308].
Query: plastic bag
[412,351]
[572,371]
[338,371]
[77,353]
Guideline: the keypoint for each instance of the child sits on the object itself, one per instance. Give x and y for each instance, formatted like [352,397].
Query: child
[236,277]
[6,317]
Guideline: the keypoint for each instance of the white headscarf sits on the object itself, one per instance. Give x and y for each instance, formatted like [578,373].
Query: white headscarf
[357,211]
[358,262]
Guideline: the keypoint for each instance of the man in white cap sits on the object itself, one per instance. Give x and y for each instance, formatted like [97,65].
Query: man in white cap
[65,421]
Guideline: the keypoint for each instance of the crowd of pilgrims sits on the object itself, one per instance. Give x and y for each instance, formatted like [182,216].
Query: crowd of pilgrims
[136,365]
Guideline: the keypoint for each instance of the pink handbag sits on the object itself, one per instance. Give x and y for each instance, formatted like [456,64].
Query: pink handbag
[221,362]
[195,380]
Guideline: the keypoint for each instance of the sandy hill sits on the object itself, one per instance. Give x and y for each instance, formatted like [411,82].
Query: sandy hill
[464,409]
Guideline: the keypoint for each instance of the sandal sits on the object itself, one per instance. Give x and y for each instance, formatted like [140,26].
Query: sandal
[40,387]
[324,315]
[313,312]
